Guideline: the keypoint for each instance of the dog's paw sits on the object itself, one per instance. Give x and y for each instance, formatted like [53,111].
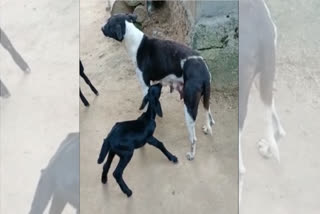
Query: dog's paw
[129,193]
[264,148]
[207,130]
[190,156]
[104,179]
[174,159]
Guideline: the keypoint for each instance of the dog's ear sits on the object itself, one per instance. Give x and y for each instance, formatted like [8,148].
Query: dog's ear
[158,108]
[144,102]
[118,32]
[132,17]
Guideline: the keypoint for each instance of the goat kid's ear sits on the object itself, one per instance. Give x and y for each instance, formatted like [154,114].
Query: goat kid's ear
[144,102]
[158,108]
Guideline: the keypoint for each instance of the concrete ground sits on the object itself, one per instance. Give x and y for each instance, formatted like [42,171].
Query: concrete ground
[43,107]
[291,186]
[208,184]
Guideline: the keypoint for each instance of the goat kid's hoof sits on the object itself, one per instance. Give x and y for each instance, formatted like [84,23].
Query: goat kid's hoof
[174,159]
[27,70]
[86,104]
[104,179]
[129,193]
[190,156]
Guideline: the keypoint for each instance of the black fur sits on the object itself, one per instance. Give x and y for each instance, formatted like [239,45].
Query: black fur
[127,136]
[116,28]
[86,79]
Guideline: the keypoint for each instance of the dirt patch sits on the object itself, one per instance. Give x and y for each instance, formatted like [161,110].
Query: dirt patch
[199,186]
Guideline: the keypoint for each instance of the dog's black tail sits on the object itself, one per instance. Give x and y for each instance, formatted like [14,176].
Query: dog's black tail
[104,150]
[206,95]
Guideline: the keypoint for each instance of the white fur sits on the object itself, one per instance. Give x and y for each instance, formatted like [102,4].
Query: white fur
[269,147]
[274,26]
[192,134]
[242,169]
[207,127]
[144,87]
[132,40]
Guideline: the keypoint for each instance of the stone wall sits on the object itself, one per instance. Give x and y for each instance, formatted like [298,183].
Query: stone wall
[215,35]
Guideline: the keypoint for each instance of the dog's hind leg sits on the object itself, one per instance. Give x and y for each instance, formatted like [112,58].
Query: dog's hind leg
[106,167]
[209,122]
[278,130]
[125,158]
[191,99]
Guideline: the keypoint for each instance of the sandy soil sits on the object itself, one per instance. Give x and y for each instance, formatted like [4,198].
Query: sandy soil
[291,186]
[207,184]
[43,107]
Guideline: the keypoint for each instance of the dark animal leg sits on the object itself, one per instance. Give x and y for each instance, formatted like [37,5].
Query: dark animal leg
[86,79]
[83,99]
[5,42]
[156,143]
[117,174]
[106,167]
[4,92]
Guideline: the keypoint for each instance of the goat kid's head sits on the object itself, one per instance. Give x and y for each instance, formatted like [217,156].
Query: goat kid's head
[116,25]
[152,98]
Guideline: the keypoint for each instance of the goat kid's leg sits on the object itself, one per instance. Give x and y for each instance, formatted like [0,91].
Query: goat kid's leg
[118,172]
[106,167]
[156,143]
[83,99]
[86,79]
[4,92]
[5,42]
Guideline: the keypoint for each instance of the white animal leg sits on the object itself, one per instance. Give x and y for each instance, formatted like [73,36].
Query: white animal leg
[192,134]
[144,87]
[209,122]
[242,170]
[278,129]
[268,147]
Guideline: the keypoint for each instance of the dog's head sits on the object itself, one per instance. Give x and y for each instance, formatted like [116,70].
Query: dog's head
[116,25]
[152,98]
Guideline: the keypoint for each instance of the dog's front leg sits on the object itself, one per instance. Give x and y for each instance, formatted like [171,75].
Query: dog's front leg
[143,84]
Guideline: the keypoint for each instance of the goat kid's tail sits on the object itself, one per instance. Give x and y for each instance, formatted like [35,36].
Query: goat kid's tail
[104,150]
[206,95]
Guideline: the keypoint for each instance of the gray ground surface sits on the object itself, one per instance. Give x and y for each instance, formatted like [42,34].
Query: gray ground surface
[207,184]
[43,107]
[291,186]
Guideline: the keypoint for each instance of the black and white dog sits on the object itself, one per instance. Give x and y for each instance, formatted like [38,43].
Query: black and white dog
[257,59]
[169,63]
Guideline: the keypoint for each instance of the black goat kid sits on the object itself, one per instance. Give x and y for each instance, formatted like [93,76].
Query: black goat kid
[86,79]
[127,136]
